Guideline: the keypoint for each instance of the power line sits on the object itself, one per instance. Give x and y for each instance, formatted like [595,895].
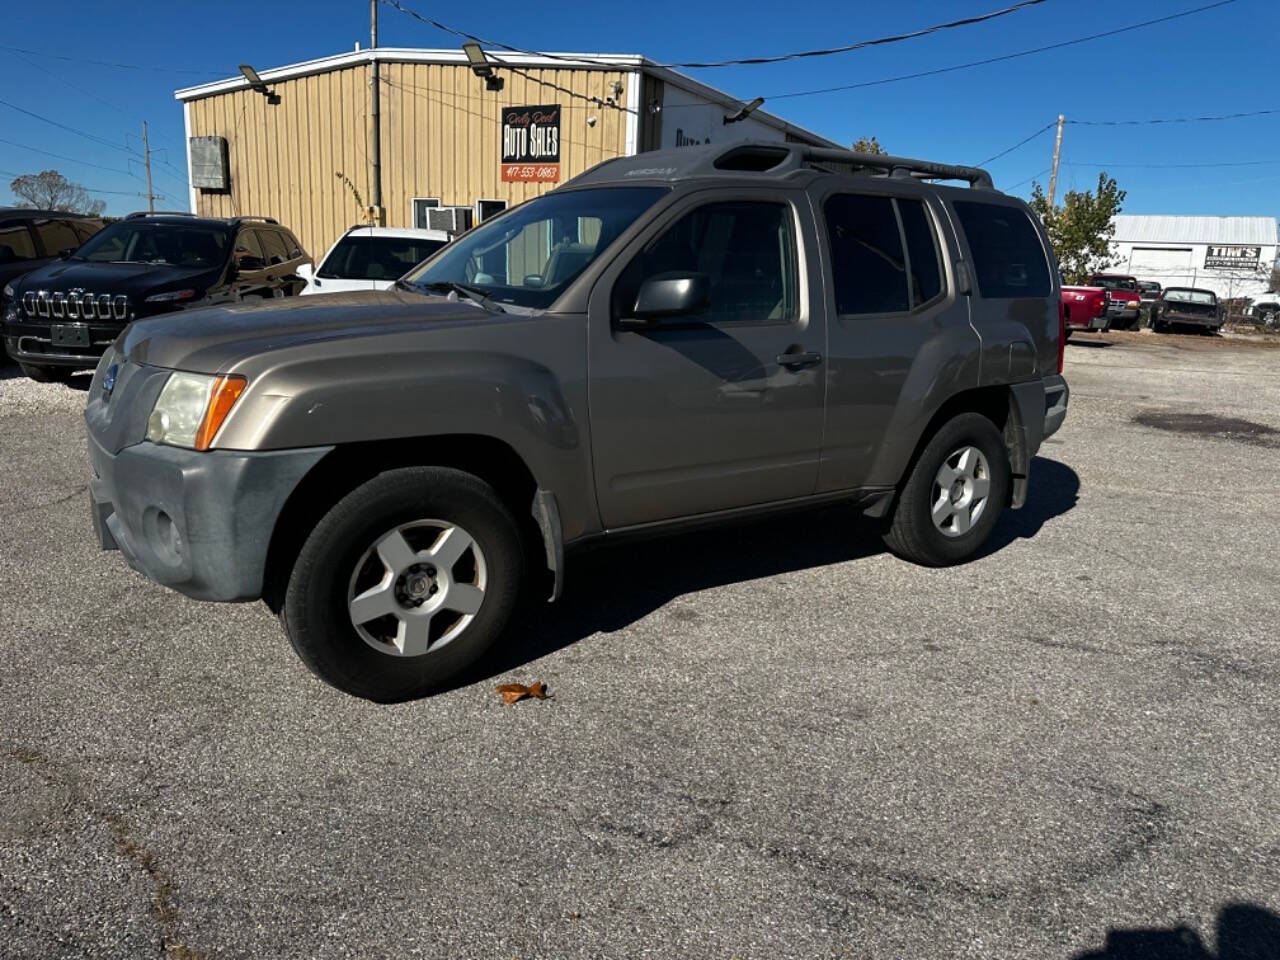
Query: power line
[999,59]
[63,126]
[118,193]
[107,63]
[1173,166]
[1045,129]
[79,89]
[59,156]
[1034,176]
[744,61]
[597,101]
[1139,123]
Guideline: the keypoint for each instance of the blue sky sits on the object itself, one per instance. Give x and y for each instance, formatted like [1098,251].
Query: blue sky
[1211,63]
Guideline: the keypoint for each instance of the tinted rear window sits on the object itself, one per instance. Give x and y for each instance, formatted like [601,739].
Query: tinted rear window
[926,280]
[359,257]
[1007,256]
[866,255]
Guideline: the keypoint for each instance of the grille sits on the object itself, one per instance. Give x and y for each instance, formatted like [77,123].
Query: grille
[75,305]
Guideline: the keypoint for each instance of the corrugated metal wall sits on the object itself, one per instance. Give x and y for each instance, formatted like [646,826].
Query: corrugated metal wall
[440,138]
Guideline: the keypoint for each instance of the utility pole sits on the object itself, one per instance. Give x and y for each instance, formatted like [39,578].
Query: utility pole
[1057,152]
[146,160]
[375,151]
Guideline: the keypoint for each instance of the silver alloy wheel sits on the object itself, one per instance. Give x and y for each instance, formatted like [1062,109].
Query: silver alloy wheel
[417,587]
[960,491]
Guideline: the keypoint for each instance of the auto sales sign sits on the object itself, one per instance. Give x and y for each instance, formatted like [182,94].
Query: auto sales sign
[531,143]
[1232,258]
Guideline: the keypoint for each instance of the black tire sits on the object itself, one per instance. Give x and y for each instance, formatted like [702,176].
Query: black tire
[315,614]
[912,534]
[44,374]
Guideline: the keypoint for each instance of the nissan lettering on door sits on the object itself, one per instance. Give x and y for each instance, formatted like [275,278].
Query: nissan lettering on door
[531,143]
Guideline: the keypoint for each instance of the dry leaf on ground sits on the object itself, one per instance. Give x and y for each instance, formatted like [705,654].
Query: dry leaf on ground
[515,692]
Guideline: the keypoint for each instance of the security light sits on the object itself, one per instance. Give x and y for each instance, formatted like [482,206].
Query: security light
[481,66]
[745,111]
[258,85]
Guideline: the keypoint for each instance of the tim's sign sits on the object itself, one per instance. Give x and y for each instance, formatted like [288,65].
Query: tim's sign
[531,143]
[1229,258]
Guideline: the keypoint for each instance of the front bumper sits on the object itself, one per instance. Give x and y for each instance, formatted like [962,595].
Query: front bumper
[200,523]
[33,343]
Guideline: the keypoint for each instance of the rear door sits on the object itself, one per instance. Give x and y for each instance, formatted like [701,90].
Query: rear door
[18,253]
[252,279]
[702,413]
[900,335]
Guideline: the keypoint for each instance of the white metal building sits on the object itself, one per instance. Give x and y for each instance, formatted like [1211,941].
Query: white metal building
[1232,256]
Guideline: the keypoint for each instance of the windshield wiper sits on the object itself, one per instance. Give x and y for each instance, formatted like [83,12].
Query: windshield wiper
[475,294]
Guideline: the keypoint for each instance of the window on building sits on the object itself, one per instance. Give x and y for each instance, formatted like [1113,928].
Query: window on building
[420,207]
[1007,255]
[15,242]
[746,249]
[489,208]
[866,255]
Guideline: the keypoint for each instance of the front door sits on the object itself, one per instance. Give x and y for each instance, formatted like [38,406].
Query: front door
[704,412]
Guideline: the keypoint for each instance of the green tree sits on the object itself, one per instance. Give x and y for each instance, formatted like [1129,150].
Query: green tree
[1081,227]
[868,145]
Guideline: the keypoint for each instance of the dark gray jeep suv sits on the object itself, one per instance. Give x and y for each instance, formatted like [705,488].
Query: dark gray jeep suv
[672,338]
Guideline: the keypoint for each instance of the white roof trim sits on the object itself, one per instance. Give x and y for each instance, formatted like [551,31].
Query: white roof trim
[598,61]
[590,61]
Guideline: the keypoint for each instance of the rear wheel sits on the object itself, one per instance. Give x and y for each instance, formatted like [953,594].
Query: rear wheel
[404,584]
[41,373]
[954,494]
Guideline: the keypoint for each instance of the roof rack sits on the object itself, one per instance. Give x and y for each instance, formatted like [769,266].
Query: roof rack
[262,219]
[142,214]
[976,177]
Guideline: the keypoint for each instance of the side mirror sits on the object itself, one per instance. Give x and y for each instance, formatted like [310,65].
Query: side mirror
[305,271]
[247,263]
[673,294]
[66,254]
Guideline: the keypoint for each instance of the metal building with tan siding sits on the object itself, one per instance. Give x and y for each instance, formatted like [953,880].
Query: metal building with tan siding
[298,147]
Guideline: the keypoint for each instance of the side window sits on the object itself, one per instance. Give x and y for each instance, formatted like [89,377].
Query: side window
[748,251]
[15,242]
[1007,256]
[922,252]
[56,236]
[291,245]
[866,255]
[273,246]
[247,245]
[84,229]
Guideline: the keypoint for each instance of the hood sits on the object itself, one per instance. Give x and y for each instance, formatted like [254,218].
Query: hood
[214,339]
[133,279]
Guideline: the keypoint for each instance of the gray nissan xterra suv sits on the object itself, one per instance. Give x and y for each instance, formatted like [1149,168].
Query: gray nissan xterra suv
[676,337]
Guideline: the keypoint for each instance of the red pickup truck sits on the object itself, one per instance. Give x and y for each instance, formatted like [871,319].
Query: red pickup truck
[1084,308]
[1124,299]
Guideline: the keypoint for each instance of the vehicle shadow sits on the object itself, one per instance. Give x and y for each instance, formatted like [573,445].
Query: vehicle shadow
[1244,931]
[9,370]
[1075,341]
[611,586]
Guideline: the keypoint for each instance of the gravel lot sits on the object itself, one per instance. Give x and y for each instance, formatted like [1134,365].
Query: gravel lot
[771,741]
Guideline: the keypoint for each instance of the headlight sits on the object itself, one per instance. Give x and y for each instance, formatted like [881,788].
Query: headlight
[171,296]
[191,408]
[8,290]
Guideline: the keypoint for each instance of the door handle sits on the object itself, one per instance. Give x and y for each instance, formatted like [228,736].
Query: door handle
[796,361]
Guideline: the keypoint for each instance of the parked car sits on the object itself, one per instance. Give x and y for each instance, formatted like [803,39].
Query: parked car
[371,258]
[1186,306]
[1149,291]
[1266,312]
[1124,299]
[61,317]
[675,338]
[31,238]
[1084,308]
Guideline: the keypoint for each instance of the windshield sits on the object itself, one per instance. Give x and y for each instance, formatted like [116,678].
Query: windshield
[528,255]
[363,257]
[1146,286]
[1185,295]
[1115,283]
[179,244]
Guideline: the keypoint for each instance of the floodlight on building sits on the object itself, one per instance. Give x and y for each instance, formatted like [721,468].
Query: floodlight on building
[481,66]
[746,111]
[258,85]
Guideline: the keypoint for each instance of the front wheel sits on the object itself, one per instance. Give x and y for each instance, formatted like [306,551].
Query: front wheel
[405,583]
[954,494]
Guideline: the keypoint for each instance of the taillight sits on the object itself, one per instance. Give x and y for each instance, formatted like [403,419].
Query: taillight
[1062,334]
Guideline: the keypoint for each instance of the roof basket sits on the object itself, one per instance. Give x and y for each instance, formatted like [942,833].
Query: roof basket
[142,214]
[976,177]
